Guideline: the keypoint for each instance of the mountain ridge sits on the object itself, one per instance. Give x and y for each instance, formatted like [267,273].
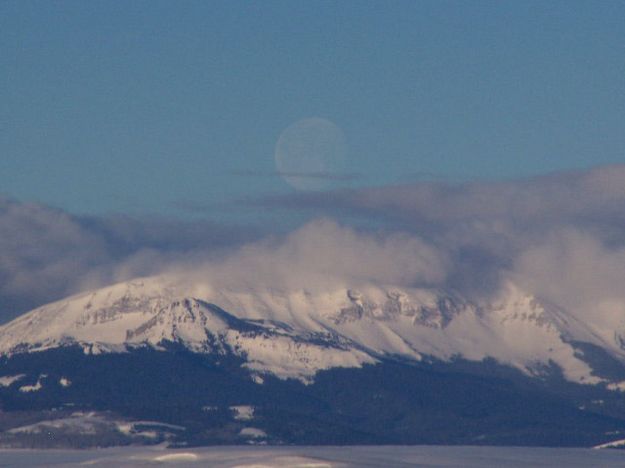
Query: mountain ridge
[128,363]
[294,334]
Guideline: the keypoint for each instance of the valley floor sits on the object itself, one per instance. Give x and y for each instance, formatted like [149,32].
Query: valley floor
[318,457]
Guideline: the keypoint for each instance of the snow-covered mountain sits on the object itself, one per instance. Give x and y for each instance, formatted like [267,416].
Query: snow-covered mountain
[297,333]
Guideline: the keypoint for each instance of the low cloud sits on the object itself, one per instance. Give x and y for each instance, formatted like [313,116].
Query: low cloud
[576,270]
[323,254]
[560,236]
[46,254]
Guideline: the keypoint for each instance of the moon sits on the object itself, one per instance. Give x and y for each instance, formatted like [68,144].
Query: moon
[311,154]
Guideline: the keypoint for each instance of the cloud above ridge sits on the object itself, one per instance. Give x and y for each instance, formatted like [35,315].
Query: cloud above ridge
[46,253]
[560,236]
[324,254]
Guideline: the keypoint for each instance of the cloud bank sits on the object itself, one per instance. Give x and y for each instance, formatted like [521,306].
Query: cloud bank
[560,236]
[47,254]
[323,254]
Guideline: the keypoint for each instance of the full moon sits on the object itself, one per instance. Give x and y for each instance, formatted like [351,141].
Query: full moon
[311,154]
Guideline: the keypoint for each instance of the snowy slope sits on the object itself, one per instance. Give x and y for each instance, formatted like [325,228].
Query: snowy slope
[297,333]
[149,312]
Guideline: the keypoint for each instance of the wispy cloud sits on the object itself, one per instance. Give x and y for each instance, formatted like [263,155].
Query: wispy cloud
[344,177]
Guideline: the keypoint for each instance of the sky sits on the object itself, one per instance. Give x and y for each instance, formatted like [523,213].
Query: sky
[163,107]
[454,145]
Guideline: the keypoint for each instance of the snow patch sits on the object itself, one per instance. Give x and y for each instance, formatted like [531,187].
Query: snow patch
[616,386]
[258,379]
[176,458]
[243,412]
[92,422]
[613,444]
[84,423]
[31,388]
[8,380]
[252,432]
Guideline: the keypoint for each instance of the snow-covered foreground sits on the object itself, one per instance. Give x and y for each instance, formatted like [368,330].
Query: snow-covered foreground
[318,457]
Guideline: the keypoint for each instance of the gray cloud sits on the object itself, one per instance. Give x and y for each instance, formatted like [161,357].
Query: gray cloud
[553,198]
[491,231]
[560,236]
[46,253]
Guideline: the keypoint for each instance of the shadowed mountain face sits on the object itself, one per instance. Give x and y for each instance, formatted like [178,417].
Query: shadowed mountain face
[150,360]
[64,397]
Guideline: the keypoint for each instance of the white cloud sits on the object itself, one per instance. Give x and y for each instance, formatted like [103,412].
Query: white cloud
[322,254]
[560,236]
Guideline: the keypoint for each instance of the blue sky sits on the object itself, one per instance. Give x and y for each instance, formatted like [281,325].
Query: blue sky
[147,107]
